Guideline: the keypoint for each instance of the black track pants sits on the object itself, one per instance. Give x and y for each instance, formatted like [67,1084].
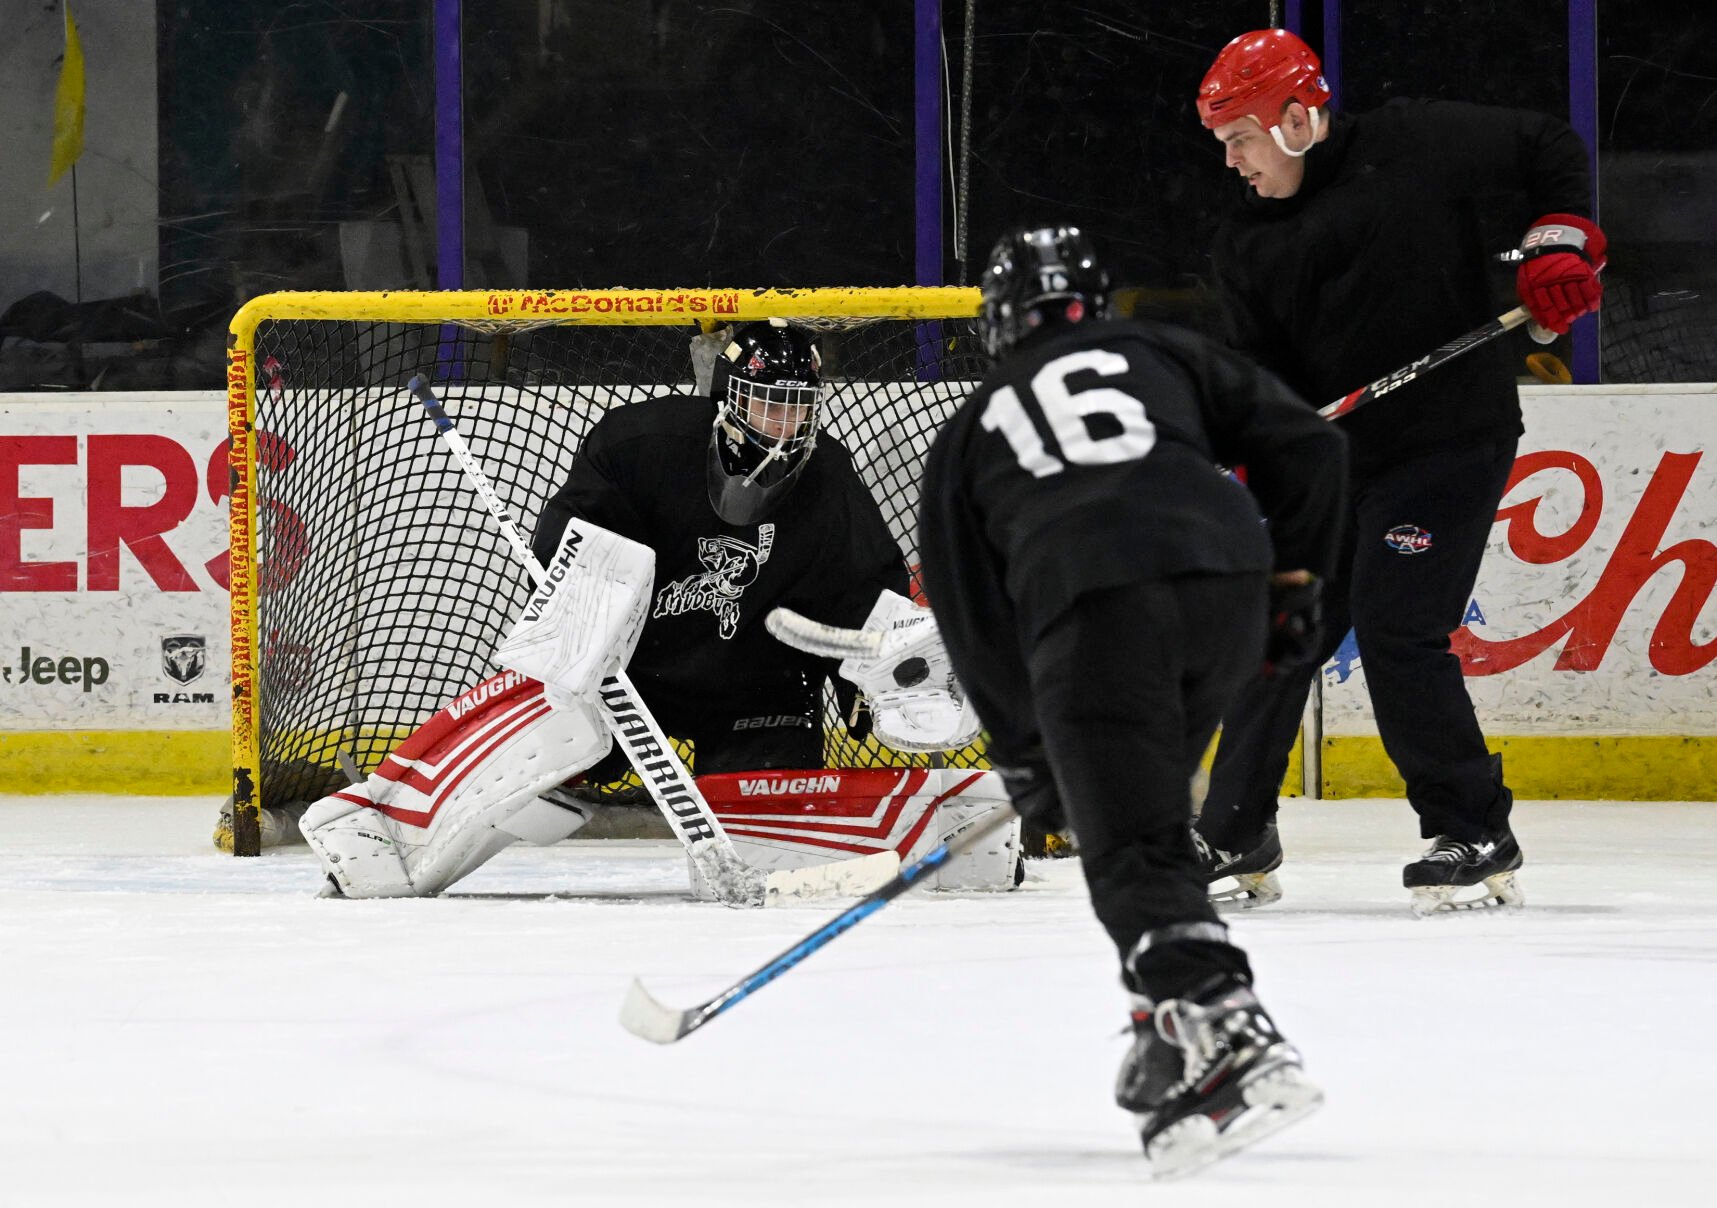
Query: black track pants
[1411,553]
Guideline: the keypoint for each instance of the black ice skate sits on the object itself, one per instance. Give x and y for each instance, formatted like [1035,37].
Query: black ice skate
[1209,1075]
[1253,869]
[1451,865]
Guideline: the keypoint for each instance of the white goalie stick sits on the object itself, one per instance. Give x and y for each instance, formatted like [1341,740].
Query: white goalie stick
[643,1016]
[658,765]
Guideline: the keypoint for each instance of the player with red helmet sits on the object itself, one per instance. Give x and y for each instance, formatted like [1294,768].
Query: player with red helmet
[1360,243]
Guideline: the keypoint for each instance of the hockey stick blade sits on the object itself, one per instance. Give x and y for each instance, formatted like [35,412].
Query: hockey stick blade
[837,879]
[1440,355]
[814,637]
[643,1016]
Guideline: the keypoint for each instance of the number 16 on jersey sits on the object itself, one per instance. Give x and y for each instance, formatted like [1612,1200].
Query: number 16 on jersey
[1067,413]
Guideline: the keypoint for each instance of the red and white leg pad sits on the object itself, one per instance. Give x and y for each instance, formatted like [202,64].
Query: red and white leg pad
[796,819]
[460,789]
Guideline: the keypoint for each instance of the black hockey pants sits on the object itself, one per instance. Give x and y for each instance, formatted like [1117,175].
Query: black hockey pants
[1415,536]
[1127,688]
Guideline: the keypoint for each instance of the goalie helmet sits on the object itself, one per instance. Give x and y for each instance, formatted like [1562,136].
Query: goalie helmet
[1256,75]
[1038,278]
[767,386]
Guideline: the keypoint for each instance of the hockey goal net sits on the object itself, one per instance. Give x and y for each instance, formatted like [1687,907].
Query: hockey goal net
[368,583]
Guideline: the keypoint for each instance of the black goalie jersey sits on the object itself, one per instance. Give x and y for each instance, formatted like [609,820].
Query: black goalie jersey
[825,552]
[1088,459]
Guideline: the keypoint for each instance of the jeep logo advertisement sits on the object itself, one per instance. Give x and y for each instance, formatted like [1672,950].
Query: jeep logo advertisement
[113,552]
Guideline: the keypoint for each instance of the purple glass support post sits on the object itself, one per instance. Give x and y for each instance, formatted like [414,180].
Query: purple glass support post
[449,148]
[1332,52]
[927,137]
[1583,116]
[927,167]
[449,172]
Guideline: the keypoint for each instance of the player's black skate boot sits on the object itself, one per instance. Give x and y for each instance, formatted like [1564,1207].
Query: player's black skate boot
[1451,865]
[1208,1075]
[1253,869]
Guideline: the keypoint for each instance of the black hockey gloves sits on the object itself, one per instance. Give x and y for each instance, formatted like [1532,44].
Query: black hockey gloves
[1032,790]
[1296,622]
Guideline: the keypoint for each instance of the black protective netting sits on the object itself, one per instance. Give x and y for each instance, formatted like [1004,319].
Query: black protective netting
[384,584]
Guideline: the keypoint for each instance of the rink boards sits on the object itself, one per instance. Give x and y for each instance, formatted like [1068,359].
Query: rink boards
[1588,643]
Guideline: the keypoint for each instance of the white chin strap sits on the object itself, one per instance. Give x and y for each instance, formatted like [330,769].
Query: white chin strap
[775,453]
[1276,133]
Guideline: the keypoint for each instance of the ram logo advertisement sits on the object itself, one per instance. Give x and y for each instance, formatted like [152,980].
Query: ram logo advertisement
[184,657]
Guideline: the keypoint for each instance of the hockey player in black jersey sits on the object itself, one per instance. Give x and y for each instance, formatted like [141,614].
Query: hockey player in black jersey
[1357,245]
[1103,591]
[748,505]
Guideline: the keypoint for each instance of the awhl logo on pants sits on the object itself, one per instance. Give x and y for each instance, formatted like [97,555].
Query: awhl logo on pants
[1407,539]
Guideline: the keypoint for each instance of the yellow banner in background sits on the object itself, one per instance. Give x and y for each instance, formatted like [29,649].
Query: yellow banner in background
[68,105]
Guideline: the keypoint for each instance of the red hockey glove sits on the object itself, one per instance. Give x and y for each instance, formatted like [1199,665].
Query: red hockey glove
[1558,279]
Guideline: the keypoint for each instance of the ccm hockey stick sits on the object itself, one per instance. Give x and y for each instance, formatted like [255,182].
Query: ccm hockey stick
[643,1016]
[1441,355]
[658,765]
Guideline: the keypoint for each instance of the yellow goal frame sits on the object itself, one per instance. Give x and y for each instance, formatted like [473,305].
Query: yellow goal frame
[483,310]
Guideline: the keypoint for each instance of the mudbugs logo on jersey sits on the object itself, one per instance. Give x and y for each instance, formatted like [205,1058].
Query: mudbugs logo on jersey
[1407,539]
[731,566]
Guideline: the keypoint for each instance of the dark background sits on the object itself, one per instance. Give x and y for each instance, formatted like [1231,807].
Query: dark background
[771,143]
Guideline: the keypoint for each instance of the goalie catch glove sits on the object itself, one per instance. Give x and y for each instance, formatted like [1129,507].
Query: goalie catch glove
[898,661]
[916,704]
[1296,622]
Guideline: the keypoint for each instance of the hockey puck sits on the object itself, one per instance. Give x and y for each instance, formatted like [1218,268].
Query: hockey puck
[911,671]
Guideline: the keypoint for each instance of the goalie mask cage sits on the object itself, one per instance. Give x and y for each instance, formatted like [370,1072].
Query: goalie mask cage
[369,584]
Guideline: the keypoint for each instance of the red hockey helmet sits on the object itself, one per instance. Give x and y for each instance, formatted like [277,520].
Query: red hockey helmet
[1256,75]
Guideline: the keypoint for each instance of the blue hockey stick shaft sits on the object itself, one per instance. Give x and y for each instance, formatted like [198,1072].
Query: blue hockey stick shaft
[643,1016]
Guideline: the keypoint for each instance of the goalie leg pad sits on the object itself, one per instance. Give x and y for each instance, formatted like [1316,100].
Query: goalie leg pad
[796,819]
[459,790]
[357,847]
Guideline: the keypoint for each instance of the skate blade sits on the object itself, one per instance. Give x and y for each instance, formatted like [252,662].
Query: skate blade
[1250,891]
[1274,1099]
[1501,892]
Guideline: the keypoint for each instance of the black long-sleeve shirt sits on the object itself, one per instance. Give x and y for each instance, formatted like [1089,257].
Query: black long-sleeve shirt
[1088,460]
[1385,252]
[825,552]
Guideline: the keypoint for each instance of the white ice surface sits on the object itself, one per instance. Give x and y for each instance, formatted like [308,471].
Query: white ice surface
[182,1028]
